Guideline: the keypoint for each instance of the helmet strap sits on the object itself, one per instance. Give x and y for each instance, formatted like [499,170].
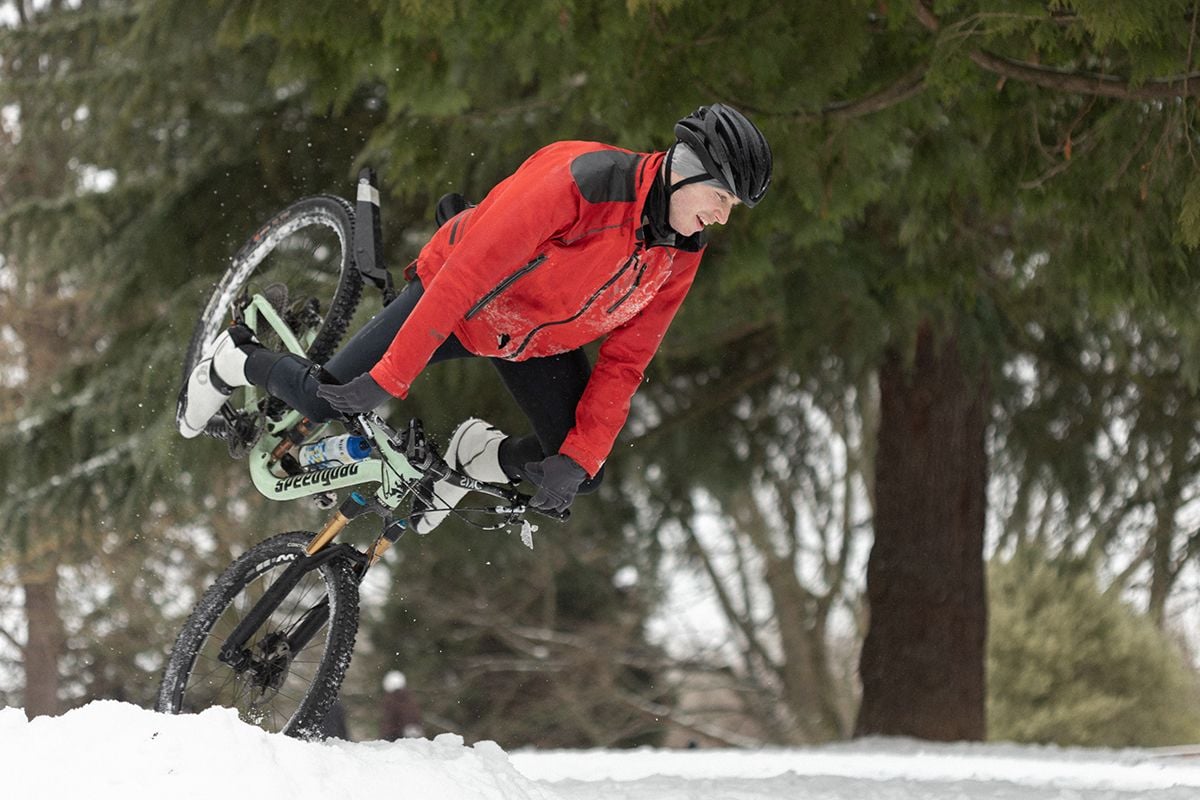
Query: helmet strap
[672,187]
[694,179]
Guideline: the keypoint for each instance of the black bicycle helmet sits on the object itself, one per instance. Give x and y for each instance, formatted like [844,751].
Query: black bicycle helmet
[732,149]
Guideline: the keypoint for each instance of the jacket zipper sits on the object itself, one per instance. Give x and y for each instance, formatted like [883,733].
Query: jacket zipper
[636,281]
[529,336]
[504,284]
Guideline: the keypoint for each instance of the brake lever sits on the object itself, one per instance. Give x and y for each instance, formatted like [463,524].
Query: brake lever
[528,528]
[557,516]
[355,423]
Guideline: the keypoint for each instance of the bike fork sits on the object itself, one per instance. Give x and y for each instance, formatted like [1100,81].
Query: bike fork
[234,652]
[317,552]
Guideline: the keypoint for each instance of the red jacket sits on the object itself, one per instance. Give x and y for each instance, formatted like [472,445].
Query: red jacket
[549,261]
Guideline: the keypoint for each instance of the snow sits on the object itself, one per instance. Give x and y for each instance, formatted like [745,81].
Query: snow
[120,751]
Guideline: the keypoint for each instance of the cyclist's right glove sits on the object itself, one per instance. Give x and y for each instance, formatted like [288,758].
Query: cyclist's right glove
[558,478]
[358,396]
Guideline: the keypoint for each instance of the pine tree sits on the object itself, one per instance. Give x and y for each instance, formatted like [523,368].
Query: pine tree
[1071,665]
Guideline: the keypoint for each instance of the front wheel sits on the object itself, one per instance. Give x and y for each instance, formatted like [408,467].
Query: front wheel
[275,688]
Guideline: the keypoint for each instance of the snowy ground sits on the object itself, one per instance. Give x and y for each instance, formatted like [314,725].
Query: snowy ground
[114,750]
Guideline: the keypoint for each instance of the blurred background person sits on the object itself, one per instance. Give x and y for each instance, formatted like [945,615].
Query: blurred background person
[401,716]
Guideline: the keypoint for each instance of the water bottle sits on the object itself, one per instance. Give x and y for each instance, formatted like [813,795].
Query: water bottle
[334,451]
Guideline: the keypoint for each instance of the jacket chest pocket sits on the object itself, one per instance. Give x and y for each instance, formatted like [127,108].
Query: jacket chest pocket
[503,285]
[645,275]
[632,274]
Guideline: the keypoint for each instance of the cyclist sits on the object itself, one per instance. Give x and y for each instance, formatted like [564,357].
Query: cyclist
[583,241]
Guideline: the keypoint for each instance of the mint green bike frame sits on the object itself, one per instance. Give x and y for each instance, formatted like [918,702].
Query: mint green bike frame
[391,471]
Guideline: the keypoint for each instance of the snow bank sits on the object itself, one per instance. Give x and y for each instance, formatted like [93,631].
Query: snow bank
[119,751]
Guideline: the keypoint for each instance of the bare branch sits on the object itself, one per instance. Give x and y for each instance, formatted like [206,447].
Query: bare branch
[687,722]
[4,634]
[742,622]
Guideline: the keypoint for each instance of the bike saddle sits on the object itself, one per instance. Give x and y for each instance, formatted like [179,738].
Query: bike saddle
[449,206]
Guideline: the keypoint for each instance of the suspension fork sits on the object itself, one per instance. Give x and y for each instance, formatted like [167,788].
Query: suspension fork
[234,652]
[316,553]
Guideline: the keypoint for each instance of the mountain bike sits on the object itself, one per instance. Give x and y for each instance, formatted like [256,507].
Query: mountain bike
[273,636]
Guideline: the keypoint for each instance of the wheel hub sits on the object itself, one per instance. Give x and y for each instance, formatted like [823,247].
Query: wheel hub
[270,665]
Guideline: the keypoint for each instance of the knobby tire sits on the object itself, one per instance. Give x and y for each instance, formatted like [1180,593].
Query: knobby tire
[194,679]
[324,219]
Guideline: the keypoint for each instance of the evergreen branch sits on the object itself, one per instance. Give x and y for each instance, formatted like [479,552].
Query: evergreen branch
[44,23]
[926,16]
[909,86]
[1086,144]
[1086,83]
[21,429]
[912,83]
[1187,126]
[1120,173]
[87,469]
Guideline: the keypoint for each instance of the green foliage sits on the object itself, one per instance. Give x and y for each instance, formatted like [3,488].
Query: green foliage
[1071,665]
[1189,215]
[1127,22]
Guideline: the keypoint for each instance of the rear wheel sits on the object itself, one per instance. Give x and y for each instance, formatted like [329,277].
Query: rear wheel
[302,262]
[275,688]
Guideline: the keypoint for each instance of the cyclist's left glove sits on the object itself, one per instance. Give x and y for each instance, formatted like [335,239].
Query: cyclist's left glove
[558,478]
[358,396]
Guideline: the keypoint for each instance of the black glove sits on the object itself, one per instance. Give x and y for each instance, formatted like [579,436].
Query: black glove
[557,478]
[358,396]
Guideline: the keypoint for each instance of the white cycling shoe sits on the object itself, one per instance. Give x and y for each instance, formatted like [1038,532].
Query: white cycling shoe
[211,383]
[474,450]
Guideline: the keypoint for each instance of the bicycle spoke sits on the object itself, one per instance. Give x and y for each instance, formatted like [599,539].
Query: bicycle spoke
[274,683]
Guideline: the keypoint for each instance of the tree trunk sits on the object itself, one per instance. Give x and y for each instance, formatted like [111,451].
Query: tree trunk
[1163,569]
[922,663]
[1161,540]
[807,688]
[44,641]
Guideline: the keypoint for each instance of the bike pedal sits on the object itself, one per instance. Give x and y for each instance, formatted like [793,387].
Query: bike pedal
[239,432]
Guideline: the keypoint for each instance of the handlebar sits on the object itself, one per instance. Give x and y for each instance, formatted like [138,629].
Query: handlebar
[424,458]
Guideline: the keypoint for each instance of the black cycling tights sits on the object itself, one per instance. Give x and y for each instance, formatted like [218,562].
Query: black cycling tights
[546,389]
